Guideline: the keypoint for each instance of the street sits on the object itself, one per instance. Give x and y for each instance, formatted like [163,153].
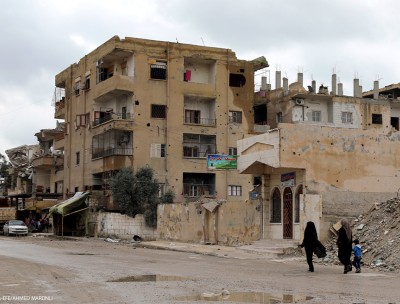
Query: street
[47,270]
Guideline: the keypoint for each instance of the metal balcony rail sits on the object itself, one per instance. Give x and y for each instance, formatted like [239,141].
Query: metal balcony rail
[111,152]
[201,121]
[112,116]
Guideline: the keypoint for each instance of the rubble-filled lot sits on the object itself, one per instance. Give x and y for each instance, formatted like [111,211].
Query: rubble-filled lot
[379,233]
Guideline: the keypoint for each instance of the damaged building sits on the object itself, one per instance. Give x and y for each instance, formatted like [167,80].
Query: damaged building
[175,107]
[326,155]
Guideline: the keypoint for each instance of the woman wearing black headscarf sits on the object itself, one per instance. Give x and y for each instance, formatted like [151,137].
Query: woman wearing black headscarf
[344,243]
[309,243]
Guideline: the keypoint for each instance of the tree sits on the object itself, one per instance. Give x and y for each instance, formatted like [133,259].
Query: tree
[138,193]
[5,179]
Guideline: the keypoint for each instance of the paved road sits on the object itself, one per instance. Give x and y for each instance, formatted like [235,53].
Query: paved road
[44,270]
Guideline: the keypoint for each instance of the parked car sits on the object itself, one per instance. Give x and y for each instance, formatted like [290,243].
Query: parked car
[16,227]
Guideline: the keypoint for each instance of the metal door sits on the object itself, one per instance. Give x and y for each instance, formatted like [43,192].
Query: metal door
[287,214]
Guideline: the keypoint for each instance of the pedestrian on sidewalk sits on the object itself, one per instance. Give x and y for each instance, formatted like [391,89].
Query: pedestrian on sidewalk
[344,243]
[357,250]
[309,243]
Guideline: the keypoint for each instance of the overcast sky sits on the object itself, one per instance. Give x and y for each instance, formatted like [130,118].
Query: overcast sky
[40,38]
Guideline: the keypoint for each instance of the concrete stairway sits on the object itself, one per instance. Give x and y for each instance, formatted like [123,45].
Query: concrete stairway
[270,248]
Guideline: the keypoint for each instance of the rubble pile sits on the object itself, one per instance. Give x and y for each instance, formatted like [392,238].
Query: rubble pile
[379,233]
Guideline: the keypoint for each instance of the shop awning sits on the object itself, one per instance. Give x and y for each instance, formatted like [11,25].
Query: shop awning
[74,203]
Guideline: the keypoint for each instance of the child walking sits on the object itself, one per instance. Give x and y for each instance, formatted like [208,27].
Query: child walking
[357,255]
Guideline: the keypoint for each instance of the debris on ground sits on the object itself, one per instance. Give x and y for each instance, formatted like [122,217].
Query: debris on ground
[378,232]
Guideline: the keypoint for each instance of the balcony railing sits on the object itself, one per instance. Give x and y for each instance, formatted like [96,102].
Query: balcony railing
[111,152]
[112,116]
[197,190]
[201,121]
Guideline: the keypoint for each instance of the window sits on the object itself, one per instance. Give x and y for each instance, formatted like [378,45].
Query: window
[158,111]
[297,204]
[82,120]
[316,115]
[86,85]
[235,116]
[198,145]
[192,116]
[77,88]
[279,117]
[234,190]
[77,158]
[377,119]
[158,70]
[347,117]
[161,189]
[276,206]
[232,151]
[236,80]
[157,150]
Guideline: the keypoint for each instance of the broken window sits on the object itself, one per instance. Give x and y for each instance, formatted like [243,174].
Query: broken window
[234,190]
[279,117]
[347,117]
[276,206]
[77,158]
[232,151]
[77,87]
[158,111]
[236,80]
[192,116]
[198,145]
[235,116]
[86,85]
[82,120]
[394,122]
[316,116]
[157,150]
[158,70]
[377,119]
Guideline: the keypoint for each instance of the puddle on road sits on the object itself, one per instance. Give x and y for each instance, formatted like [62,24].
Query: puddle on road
[246,297]
[81,253]
[148,278]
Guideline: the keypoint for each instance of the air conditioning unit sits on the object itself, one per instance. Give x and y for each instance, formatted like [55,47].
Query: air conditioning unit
[299,102]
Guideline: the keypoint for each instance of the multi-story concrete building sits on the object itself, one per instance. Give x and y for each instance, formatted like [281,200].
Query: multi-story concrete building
[135,102]
[326,156]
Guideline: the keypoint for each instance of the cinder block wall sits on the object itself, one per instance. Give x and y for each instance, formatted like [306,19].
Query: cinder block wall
[123,227]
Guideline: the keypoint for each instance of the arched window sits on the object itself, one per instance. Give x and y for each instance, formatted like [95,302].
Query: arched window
[297,204]
[276,206]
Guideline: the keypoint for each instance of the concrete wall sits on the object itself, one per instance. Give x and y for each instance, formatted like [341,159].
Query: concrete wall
[350,169]
[123,226]
[232,223]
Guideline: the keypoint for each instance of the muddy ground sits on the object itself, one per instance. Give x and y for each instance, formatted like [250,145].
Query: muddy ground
[37,270]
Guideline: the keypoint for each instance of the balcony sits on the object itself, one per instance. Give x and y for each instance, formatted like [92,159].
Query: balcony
[115,86]
[197,190]
[106,117]
[112,152]
[207,122]
[59,112]
[43,161]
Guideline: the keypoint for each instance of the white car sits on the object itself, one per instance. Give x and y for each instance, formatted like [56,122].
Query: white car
[16,227]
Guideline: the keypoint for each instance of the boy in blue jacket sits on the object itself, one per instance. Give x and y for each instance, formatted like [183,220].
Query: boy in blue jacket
[357,255]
